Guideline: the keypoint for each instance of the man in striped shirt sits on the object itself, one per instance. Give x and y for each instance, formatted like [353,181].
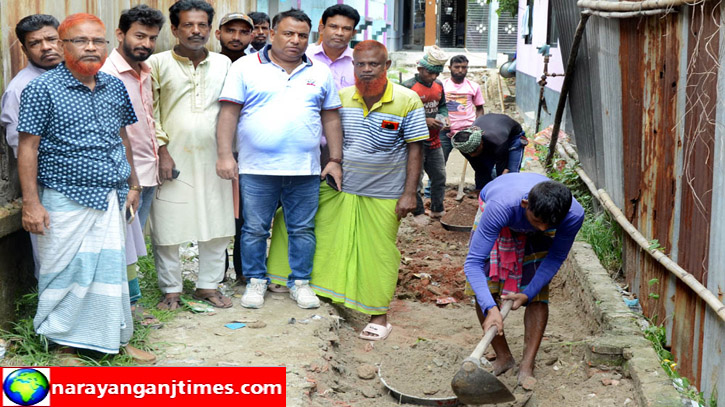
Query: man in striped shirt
[356,259]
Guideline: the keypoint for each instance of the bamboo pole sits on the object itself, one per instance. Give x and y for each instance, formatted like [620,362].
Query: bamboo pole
[603,5]
[687,278]
[628,14]
[500,93]
[601,195]
[568,77]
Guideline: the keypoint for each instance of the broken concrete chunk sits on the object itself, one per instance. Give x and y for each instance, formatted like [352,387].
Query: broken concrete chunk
[367,371]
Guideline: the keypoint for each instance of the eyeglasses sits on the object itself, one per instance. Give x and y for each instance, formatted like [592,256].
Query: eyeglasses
[158,192]
[82,42]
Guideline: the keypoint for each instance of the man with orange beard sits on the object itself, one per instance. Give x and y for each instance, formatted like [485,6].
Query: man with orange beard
[75,176]
[356,260]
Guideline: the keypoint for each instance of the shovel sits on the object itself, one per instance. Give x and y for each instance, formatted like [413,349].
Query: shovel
[459,196]
[474,385]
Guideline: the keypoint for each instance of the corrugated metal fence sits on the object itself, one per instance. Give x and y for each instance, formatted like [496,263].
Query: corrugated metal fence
[649,118]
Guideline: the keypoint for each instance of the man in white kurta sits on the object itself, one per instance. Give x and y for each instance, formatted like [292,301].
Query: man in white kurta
[195,205]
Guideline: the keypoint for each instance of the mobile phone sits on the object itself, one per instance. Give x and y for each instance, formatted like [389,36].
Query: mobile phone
[130,215]
[175,173]
[331,182]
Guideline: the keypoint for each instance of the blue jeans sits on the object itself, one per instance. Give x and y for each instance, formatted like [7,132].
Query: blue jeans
[299,196]
[435,167]
[446,144]
[447,147]
[488,168]
[144,207]
[516,154]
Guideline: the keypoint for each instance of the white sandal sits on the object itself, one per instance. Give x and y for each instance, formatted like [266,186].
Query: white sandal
[371,329]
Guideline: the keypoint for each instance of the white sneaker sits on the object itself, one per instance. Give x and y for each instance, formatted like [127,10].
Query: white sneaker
[254,294]
[303,294]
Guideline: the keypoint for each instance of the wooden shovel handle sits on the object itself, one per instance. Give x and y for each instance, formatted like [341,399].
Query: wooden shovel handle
[492,331]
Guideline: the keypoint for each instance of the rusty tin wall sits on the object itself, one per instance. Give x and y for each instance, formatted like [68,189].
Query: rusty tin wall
[670,68]
[713,347]
[649,51]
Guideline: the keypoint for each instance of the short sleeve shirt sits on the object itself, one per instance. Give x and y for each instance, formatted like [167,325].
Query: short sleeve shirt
[341,68]
[462,99]
[374,148]
[279,127]
[80,154]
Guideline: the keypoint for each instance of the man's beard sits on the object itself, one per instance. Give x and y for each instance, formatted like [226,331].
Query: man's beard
[226,48]
[138,58]
[85,68]
[259,44]
[374,87]
[458,78]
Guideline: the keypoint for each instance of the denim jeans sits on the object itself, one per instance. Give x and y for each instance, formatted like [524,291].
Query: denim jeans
[516,153]
[489,169]
[144,207]
[299,196]
[446,144]
[435,167]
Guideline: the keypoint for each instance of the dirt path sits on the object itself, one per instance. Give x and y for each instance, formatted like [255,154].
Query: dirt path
[428,341]
[327,365]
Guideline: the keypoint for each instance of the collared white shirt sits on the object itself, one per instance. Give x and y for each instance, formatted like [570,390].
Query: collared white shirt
[279,127]
[11,103]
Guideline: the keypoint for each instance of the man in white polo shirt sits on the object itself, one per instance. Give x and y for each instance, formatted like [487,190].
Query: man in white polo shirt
[278,103]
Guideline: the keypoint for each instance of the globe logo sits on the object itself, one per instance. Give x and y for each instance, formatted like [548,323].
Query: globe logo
[26,387]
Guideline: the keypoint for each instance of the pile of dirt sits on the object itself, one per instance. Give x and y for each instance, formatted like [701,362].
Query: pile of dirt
[432,363]
[462,214]
[431,269]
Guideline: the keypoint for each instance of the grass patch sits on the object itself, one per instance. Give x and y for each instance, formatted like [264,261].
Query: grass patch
[605,236]
[658,336]
[26,348]
[598,229]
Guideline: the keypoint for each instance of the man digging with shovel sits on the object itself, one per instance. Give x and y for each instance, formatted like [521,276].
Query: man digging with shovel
[524,229]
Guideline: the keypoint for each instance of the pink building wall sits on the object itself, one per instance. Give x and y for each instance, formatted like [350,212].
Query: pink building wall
[528,60]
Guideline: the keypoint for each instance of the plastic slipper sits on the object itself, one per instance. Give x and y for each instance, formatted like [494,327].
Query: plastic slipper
[213,297]
[371,329]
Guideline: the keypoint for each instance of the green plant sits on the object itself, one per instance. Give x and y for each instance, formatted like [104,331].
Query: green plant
[604,235]
[507,6]
[657,334]
[654,244]
[29,349]
[598,229]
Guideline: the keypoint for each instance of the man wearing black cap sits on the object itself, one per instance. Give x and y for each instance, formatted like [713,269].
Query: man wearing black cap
[234,34]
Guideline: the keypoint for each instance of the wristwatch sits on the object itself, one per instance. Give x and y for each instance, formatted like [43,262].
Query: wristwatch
[138,188]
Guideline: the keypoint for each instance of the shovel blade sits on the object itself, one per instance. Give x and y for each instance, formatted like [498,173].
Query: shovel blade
[478,386]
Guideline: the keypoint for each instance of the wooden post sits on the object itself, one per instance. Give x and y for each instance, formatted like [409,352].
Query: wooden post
[431,22]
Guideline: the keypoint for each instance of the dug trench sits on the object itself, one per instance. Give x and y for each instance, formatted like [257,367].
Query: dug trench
[328,365]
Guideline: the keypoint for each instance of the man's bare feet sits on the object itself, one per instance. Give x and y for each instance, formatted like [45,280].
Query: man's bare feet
[502,365]
[526,380]
[67,356]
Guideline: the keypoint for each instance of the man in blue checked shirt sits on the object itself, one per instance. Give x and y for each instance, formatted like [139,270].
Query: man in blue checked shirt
[73,162]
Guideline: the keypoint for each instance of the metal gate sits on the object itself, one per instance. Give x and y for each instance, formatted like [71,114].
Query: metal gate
[477,28]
